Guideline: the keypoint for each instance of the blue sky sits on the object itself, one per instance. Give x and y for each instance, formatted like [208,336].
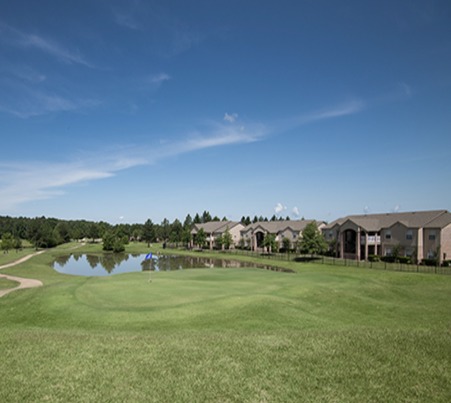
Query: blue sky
[127,110]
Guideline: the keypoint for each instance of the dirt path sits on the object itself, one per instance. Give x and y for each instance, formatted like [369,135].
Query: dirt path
[23,282]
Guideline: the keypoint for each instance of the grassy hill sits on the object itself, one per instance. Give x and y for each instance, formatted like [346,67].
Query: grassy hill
[227,335]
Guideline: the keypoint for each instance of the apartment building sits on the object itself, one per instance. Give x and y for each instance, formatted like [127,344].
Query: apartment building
[215,229]
[254,234]
[419,235]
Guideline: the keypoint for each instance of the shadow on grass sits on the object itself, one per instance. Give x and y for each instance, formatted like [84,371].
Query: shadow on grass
[307,259]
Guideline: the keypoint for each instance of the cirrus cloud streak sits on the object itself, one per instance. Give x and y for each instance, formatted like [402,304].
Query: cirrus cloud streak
[22,183]
[25,182]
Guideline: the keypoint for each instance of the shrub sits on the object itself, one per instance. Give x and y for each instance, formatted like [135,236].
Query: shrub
[118,245]
[374,258]
[429,262]
[113,243]
[397,259]
[404,259]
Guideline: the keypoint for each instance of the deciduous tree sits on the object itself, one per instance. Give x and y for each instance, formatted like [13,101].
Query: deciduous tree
[312,242]
[227,239]
[7,242]
[269,242]
[201,238]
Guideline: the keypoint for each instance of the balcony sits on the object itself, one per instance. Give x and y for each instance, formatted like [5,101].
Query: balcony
[372,240]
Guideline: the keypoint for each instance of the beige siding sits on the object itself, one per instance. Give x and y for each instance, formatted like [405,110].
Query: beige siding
[430,246]
[293,236]
[446,242]
[330,234]
[349,225]
[386,244]
[399,236]
[236,233]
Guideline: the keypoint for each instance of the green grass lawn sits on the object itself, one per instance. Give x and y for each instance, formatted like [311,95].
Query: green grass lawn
[324,333]
[13,255]
[5,283]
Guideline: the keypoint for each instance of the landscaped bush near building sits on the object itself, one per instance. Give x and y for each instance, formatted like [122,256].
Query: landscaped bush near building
[374,258]
[429,262]
[404,259]
[397,259]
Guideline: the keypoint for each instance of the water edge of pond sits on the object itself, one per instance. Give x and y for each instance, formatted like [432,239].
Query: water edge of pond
[105,264]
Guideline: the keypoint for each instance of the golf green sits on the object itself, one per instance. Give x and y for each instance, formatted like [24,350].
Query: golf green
[321,334]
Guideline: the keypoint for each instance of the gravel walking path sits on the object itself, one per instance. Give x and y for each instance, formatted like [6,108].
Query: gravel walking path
[23,282]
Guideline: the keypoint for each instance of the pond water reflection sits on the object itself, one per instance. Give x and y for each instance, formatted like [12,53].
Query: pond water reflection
[114,263]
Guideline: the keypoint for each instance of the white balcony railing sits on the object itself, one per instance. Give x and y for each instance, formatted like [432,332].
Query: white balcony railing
[372,240]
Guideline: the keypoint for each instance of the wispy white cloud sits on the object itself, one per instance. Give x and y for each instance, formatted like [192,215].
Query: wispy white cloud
[126,20]
[128,14]
[183,40]
[214,135]
[26,92]
[55,49]
[296,212]
[169,36]
[405,89]
[20,183]
[231,118]
[221,139]
[337,111]
[279,208]
[25,182]
[345,109]
[24,102]
[22,72]
[15,37]
[158,79]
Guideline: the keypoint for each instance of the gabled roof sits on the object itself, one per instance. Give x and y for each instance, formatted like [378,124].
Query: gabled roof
[212,227]
[441,221]
[368,223]
[415,219]
[274,227]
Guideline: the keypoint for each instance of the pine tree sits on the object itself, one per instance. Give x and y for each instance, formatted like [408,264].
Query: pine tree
[149,232]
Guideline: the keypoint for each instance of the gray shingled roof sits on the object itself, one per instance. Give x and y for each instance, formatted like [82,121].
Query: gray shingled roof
[273,227]
[415,219]
[441,221]
[213,227]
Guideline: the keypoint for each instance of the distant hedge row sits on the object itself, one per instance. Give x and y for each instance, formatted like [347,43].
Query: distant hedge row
[407,260]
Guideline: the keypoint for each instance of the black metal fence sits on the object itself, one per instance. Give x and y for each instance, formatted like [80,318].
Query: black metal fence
[404,267]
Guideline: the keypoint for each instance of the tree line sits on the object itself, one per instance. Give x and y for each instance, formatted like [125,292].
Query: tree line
[45,232]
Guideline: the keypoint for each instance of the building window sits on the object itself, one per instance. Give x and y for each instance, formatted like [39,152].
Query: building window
[409,235]
[409,252]
[388,234]
[388,251]
[432,235]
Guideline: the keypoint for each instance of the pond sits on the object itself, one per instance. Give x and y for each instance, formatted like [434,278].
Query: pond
[115,263]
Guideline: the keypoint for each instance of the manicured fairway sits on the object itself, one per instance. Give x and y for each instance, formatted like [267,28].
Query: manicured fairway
[14,255]
[227,335]
[5,283]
